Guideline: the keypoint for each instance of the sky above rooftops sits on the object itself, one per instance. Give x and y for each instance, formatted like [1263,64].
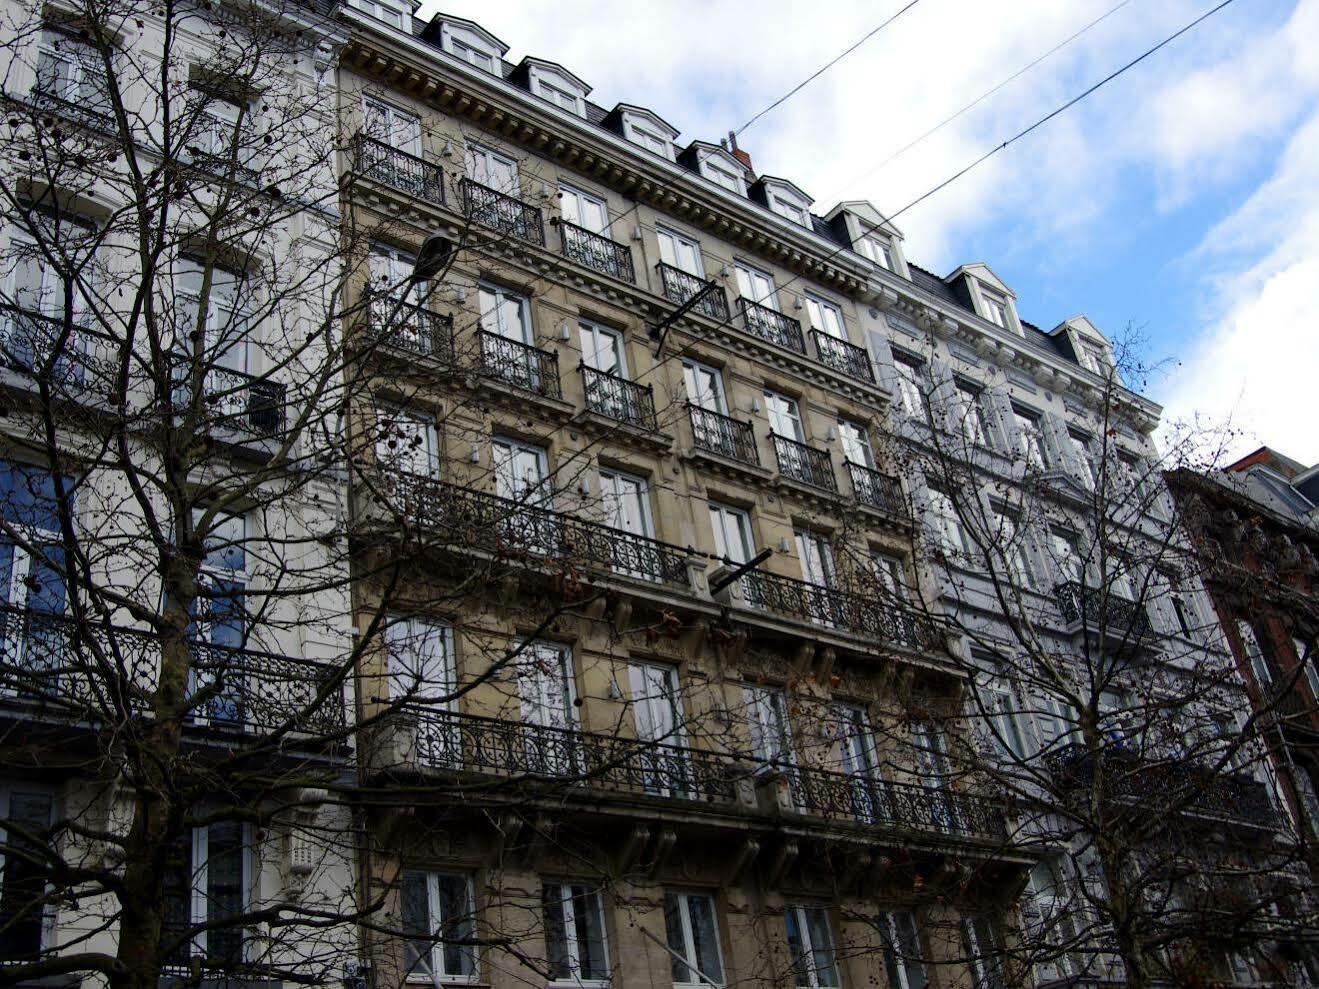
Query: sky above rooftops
[1181,200]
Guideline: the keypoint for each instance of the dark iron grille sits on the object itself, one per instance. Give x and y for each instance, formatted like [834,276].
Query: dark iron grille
[804,463]
[58,660]
[512,529]
[618,398]
[494,209]
[399,169]
[449,741]
[410,327]
[1118,616]
[724,435]
[520,364]
[679,286]
[597,251]
[770,324]
[238,401]
[877,490]
[843,356]
[83,359]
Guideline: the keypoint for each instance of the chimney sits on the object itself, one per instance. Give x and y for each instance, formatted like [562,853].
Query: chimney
[738,153]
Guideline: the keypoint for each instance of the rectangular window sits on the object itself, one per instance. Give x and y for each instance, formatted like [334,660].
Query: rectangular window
[856,443]
[1307,660]
[390,272]
[71,71]
[878,249]
[680,251]
[784,416]
[996,308]
[771,734]
[948,529]
[392,126]
[732,533]
[472,56]
[1083,445]
[1261,664]
[602,348]
[440,919]
[405,444]
[1050,912]
[651,141]
[546,693]
[419,659]
[891,575]
[902,951]
[722,176]
[227,325]
[207,879]
[791,210]
[218,128]
[826,317]
[1066,553]
[983,952]
[1030,437]
[755,285]
[816,557]
[910,374]
[559,96]
[626,501]
[973,420]
[583,209]
[859,760]
[26,812]
[693,935]
[492,169]
[504,313]
[575,933]
[811,945]
[218,616]
[705,387]
[1014,549]
[381,11]
[1000,707]
[657,716]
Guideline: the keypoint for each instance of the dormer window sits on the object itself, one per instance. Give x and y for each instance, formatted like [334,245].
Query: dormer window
[794,212]
[723,176]
[785,199]
[562,98]
[996,308]
[381,10]
[651,141]
[879,249]
[473,56]
[1093,357]
[553,84]
[469,42]
[643,128]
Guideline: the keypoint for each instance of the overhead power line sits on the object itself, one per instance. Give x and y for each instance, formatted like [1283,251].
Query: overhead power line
[1062,109]
[825,68]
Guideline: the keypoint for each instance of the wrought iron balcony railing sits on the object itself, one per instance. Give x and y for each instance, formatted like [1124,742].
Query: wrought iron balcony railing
[529,532]
[804,463]
[502,212]
[1114,615]
[89,672]
[877,490]
[83,359]
[843,356]
[770,324]
[717,433]
[597,251]
[438,740]
[390,166]
[679,286]
[96,114]
[416,329]
[620,399]
[520,364]
[1167,786]
[234,400]
[834,608]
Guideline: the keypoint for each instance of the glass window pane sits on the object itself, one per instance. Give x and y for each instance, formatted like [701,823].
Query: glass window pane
[22,882]
[224,889]
[556,935]
[822,947]
[796,949]
[457,929]
[705,933]
[677,939]
[415,911]
[590,933]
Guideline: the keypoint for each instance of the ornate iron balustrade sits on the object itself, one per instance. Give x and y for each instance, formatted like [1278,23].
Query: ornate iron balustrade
[411,327]
[512,529]
[679,286]
[620,399]
[770,324]
[843,356]
[877,490]
[804,463]
[1161,787]
[834,608]
[1117,616]
[96,116]
[893,806]
[84,359]
[520,364]
[92,673]
[502,212]
[596,251]
[393,167]
[448,741]
[724,435]
[235,400]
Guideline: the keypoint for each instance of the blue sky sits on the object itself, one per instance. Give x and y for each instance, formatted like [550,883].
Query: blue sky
[1183,197]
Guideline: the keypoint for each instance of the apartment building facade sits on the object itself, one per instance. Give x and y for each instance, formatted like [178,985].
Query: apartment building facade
[162,380]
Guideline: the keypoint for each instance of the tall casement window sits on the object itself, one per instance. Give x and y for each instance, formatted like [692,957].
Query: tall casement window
[1054,916]
[756,285]
[705,387]
[946,526]
[207,881]
[784,416]
[732,533]
[680,251]
[504,313]
[390,271]
[856,443]
[626,502]
[972,424]
[575,939]
[228,330]
[995,691]
[1262,665]
[981,943]
[507,337]
[771,734]
[996,308]
[826,317]
[858,756]
[583,209]
[1083,444]
[26,812]
[910,377]
[406,444]
[1030,437]
[1013,543]
[878,249]
[811,945]
[71,71]
[546,690]
[492,169]
[657,715]
[392,126]
[34,294]
[419,659]
[218,623]
[521,471]
[903,958]
[816,556]
[439,917]
[692,927]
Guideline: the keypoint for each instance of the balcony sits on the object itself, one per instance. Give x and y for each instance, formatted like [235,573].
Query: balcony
[770,324]
[804,463]
[512,530]
[233,401]
[679,286]
[1175,785]
[502,212]
[617,398]
[843,356]
[48,659]
[843,611]
[717,433]
[597,252]
[389,166]
[519,364]
[95,114]
[85,360]
[876,490]
[1119,619]
[409,327]
[429,739]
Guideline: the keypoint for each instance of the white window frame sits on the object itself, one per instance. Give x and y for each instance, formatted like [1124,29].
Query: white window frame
[84,62]
[790,209]
[571,946]
[879,249]
[589,334]
[691,376]
[436,921]
[49,912]
[382,11]
[609,487]
[999,700]
[972,425]
[784,409]
[724,176]
[826,317]
[559,92]
[809,948]
[477,159]
[415,678]
[571,194]
[395,121]
[492,319]
[815,554]
[953,537]
[855,439]
[688,954]
[407,424]
[898,963]
[679,244]
[998,308]
[749,285]
[721,518]
[1082,444]
[768,715]
[1030,437]
[1014,543]
[909,372]
[198,912]
[476,57]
